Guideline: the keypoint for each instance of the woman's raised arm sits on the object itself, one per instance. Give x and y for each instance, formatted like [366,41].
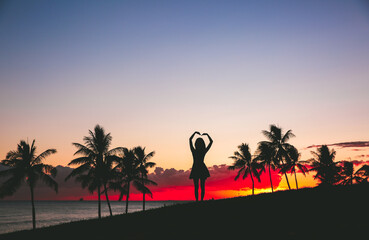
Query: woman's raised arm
[191,145]
[211,141]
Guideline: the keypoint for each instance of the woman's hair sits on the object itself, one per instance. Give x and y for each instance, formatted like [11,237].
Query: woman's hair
[199,144]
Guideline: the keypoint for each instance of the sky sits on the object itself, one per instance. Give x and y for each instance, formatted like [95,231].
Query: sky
[153,72]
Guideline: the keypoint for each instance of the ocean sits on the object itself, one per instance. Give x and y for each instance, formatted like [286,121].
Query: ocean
[17,215]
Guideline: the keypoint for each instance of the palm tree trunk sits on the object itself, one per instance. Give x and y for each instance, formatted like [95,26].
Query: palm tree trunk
[127,197]
[98,202]
[33,209]
[252,182]
[288,183]
[143,194]
[270,177]
[143,206]
[107,199]
[285,174]
[297,186]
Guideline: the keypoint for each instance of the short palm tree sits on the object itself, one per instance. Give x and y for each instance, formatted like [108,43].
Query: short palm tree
[362,174]
[25,166]
[327,171]
[294,163]
[95,164]
[245,164]
[347,174]
[266,158]
[144,164]
[278,141]
[127,171]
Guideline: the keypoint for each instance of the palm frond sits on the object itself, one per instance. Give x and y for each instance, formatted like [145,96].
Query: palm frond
[113,159]
[43,155]
[83,150]
[256,173]
[246,172]
[237,155]
[149,155]
[77,171]
[287,136]
[12,155]
[45,168]
[150,165]
[239,173]
[142,188]
[49,181]
[268,135]
[10,186]
[81,160]
[303,169]
[114,151]
[116,186]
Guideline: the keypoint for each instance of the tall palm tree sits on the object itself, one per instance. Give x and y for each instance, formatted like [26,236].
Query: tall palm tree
[294,162]
[95,164]
[278,141]
[127,171]
[266,158]
[245,164]
[327,171]
[144,164]
[26,166]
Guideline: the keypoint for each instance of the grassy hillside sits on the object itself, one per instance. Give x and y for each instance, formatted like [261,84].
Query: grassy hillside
[339,212]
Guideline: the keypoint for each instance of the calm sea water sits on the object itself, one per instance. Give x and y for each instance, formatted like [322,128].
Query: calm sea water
[17,215]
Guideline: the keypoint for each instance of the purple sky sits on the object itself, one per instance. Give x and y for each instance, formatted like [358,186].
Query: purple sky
[151,73]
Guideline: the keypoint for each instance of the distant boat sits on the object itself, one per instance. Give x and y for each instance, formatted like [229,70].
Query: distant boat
[81,199]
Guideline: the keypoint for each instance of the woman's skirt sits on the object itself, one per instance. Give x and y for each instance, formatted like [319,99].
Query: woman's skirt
[199,171]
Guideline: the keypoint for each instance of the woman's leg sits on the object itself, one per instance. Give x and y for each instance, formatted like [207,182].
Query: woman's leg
[202,185]
[196,184]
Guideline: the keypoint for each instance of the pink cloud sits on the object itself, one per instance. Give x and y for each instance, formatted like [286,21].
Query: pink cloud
[353,144]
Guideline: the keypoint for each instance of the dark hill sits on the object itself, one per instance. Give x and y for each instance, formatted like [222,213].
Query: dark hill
[316,213]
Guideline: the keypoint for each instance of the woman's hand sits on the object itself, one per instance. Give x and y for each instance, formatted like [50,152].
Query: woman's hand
[193,134]
[210,141]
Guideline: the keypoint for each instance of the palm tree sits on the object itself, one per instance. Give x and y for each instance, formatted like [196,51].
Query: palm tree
[26,166]
[266,157]
[278,141]
[143,159]
[294,162]
[348,176]
[245,163]
[362,174]
[327,171]
[127,171]
[95,168]
[347,173]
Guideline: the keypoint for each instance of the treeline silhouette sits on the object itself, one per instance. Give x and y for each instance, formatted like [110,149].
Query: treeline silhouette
[100,169]
[277,154]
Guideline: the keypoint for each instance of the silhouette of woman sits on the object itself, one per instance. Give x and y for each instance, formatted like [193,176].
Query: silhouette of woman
[199,170]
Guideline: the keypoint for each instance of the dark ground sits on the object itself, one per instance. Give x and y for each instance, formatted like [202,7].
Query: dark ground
[316,213]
